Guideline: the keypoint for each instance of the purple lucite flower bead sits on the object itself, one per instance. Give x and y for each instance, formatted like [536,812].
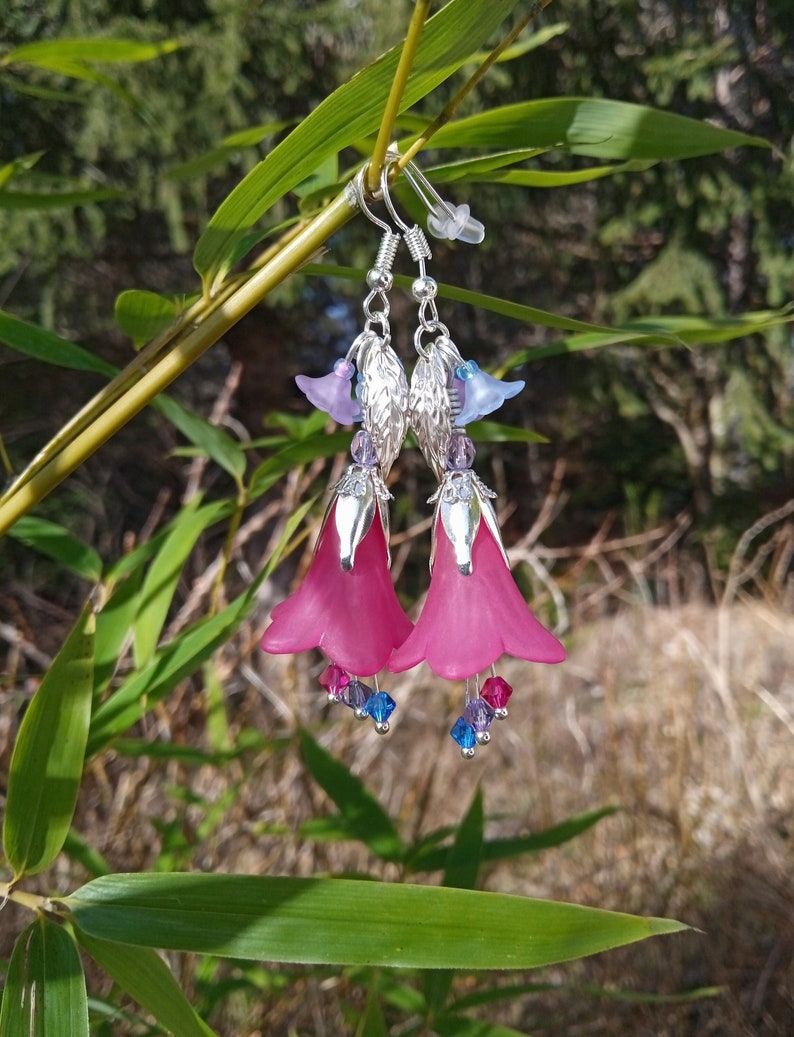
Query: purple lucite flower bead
[496,692]
[334,680]
[331,392]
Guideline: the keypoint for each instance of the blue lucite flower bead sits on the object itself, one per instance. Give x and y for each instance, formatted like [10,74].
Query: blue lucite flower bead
[481,393]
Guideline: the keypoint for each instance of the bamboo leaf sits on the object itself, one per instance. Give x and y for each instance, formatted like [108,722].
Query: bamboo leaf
[18,165]
[159,586]
[47,762]
[351,112]
[143,315]
[99,49]
[362,816]
[595,127]
[44,994]
[433,858]
[45,345]
[460,872]
[219,155]
[218,445]
[171,664]
[52,540]
[144,975]
[344,921]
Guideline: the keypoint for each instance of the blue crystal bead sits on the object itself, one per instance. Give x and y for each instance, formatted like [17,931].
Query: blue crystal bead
[463,734]
[356,695]
[380,707]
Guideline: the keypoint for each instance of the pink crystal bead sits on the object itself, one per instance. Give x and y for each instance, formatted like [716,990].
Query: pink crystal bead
[334,680]
[496,692]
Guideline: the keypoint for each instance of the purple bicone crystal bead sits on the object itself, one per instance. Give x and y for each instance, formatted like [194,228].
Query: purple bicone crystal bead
[334,680]
[460,452]
[363,449]
[356,695]
[479,714]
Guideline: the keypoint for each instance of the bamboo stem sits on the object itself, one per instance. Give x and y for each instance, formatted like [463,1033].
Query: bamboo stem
[392,109]
[186,350]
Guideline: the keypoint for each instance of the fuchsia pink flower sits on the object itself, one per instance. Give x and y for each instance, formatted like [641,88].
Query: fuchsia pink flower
[353,614]
[470,619]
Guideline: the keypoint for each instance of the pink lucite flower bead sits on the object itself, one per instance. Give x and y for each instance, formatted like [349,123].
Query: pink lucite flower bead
[470,620]
[352,615]
[331,393]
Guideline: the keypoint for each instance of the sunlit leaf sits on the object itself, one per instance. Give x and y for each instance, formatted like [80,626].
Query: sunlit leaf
[143,315]
[159,586]
[96,49]
[345,921]
[352,111]
[18,165]
[144,975]
[218,445]
[592,126]
[47,762]
[44,994]
[52,540]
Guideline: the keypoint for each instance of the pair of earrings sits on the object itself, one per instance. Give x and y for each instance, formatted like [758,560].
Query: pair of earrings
[346,604]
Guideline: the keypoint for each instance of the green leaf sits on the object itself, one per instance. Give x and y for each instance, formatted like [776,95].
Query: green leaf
[53,541]
[144,688]
[218,445]
[592,126]
[433,858]
[347,922]
[496,432]
[518,311]
[89,858]
[45,345]
[362,816]
[221,154]
[99,49]
[460,872]
[114,627]
[18,165]
[159,586]
[144,975]
[550,178]
[143,315]
[48,756]
[522,47]
[45,988]
[303,452]
[351,112]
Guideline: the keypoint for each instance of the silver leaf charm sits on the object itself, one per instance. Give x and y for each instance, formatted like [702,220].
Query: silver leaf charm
[384,398]
[430,409]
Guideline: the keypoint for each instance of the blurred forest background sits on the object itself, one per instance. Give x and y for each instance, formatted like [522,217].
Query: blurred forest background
[656,520]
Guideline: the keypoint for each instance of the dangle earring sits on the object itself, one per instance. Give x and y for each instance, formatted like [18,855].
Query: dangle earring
[474,611]
[346,604]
